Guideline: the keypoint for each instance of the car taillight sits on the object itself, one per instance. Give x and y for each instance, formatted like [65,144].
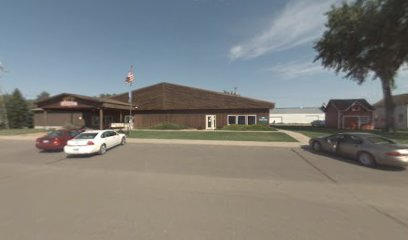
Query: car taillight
[90,143]
[393,154]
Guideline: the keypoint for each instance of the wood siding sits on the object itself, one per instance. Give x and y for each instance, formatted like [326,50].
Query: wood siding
[331,117]
[337,119]
[55,119]
[166,96]
[191,119]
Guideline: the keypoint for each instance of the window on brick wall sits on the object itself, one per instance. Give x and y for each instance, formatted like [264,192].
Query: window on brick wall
[241,119]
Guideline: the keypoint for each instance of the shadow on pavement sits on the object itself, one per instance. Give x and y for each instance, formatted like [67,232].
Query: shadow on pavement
[351,161]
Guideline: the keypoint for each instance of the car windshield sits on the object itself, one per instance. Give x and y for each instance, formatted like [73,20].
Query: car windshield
[86,136]
[55,134]
[379,140]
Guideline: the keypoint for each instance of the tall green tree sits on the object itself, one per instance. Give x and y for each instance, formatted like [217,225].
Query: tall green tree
[42,96]
[17,110]
[367,39]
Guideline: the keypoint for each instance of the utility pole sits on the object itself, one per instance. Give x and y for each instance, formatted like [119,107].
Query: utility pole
[3,109]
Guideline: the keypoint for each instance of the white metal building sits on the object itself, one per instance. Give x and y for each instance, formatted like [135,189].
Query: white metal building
[301,115]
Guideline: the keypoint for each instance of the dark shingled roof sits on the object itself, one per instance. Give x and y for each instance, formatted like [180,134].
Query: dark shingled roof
[96,100]
[167,96]
[401,99]
[343,104]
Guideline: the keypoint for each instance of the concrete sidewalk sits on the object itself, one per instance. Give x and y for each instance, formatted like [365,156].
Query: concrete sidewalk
[302,140]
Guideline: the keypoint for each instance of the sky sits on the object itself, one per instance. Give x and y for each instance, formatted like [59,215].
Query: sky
[263,48]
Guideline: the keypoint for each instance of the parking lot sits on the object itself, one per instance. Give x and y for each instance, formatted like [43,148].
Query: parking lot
[176,191]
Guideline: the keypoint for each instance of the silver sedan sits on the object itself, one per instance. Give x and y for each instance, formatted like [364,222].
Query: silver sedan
[368,149]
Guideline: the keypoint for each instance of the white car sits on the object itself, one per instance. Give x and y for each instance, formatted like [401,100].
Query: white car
[97,141]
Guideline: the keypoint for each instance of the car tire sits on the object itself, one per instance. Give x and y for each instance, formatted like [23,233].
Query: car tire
[123,141]
[366,159]
[316,146]
[102,149]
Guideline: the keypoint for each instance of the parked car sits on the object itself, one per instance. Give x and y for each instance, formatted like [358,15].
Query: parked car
[56,140]
[97,141]
[318,123]
[368,149]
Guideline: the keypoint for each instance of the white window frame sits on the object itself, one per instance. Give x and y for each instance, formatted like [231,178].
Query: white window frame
[239,115]
[359,117]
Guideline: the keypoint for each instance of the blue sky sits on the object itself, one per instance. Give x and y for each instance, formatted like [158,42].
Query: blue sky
[261,47]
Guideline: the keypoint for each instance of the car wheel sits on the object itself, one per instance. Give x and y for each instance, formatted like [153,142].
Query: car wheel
[366,159]
[123,141]
[316,146]
[102,150]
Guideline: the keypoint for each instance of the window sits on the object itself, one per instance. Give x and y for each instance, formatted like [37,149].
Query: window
[86,136]
[353,139]
[127,118]
[55,134]
[108,119]
[95,120]
[241,119]
[364,120]
[251,120]
[73,133]
[355,108]
[232,120]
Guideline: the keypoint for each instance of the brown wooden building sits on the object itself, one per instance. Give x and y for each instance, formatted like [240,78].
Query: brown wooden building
[193,107]
[349,114]
[163,102]
[68,109]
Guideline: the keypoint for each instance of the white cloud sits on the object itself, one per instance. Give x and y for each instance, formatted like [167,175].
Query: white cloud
[300,22]
[297,69]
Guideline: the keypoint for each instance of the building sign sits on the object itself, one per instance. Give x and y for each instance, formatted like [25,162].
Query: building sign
[263,120]
[68,102]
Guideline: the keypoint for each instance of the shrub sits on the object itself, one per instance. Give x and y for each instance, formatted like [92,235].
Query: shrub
[257,127]
[168,126]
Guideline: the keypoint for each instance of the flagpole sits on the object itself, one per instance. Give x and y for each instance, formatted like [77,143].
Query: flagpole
[130,100]
[130,107]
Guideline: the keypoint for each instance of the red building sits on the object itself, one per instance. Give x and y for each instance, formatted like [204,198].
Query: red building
[349,114]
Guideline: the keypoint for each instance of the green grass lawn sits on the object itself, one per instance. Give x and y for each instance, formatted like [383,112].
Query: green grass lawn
[10,132]
[399,136]
[205,135]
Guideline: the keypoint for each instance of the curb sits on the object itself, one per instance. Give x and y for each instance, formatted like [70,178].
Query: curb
[215,142]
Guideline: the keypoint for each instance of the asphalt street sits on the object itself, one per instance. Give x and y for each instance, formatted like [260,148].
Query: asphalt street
[165,191]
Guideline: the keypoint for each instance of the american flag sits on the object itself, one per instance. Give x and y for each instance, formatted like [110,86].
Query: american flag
[130,76]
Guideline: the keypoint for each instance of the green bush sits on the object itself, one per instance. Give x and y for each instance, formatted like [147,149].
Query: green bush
[257,127]
[168,126]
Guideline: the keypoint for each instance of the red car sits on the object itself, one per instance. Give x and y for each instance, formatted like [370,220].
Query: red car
[56,140]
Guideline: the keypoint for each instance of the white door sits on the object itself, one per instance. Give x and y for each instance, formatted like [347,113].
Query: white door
[210,122]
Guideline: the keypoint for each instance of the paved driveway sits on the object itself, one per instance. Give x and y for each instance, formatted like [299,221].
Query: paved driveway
[162,191]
